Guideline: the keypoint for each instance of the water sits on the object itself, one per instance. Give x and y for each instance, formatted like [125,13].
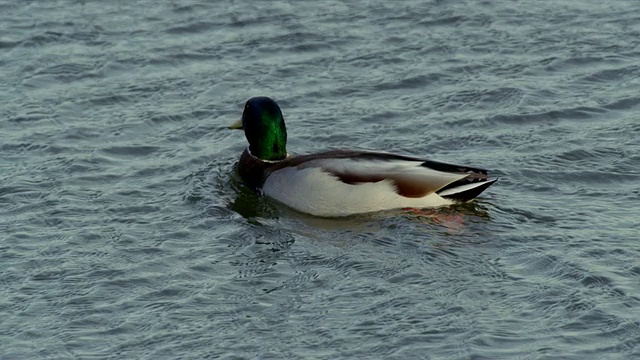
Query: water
[126,234]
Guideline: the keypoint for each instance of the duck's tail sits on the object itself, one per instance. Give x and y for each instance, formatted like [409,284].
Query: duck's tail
[467,191]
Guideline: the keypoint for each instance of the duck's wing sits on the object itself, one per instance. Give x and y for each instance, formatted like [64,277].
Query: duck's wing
[412,177]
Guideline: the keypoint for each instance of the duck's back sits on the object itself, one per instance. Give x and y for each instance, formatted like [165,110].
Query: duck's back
[340,183]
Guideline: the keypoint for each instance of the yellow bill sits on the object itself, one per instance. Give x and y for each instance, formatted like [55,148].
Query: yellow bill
[236,125]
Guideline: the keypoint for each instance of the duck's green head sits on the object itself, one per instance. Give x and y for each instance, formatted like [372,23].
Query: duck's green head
[264,128]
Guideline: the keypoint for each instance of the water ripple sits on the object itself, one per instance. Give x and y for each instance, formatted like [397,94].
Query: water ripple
[128,234]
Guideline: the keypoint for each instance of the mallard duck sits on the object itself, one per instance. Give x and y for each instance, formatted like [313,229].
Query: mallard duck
[343,182]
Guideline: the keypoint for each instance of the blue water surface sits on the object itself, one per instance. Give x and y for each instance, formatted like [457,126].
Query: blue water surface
[126,234]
